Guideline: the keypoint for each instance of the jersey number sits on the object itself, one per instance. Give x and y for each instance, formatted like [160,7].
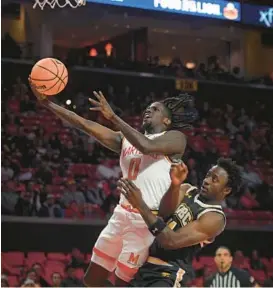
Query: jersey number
[134,168]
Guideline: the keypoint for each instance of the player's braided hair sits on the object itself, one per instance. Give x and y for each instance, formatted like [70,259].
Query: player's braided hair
[179,113]
[233,171]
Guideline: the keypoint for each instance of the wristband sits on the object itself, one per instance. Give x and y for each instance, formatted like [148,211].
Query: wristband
[157,227]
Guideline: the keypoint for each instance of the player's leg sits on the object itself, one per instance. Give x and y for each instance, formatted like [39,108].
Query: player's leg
[150,276]
[136,244]
[95,269]
[161,283]
[106,250]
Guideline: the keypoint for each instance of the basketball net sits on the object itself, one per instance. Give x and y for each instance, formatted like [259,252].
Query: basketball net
[59,3]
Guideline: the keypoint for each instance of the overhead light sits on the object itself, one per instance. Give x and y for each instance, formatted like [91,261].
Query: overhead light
[190,65]
[93,52]
[68,102]
[108,49]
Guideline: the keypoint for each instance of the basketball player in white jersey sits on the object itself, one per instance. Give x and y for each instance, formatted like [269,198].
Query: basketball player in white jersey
[145,159]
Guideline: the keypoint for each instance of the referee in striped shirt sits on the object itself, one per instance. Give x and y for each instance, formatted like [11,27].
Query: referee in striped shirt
[228,276]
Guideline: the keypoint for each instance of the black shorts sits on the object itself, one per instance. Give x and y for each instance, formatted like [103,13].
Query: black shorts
[151,275]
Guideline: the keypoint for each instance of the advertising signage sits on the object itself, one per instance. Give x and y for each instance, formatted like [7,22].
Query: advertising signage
[258,15]
[219,9]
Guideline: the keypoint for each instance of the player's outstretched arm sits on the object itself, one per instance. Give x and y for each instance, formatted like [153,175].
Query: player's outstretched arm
[206,227]
[175,194]
[107,137]
[172,142]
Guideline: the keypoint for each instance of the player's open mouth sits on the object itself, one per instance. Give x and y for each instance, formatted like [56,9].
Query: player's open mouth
[147,116]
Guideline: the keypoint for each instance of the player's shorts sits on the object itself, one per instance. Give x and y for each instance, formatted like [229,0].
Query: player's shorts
[123,244]
[157,273]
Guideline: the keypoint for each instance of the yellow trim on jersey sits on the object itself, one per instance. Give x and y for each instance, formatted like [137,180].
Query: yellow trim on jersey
[169,159]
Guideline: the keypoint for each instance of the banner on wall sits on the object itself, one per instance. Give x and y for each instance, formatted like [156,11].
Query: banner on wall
[186,85]
[219,9]
[257,15]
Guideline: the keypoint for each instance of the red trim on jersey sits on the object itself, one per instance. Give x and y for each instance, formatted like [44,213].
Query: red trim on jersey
[130,208]
[103,255]
[126,269]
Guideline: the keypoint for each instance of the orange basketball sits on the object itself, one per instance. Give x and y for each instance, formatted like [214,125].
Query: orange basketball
[49,76]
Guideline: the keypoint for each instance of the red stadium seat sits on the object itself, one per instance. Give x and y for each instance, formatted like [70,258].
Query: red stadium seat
[58,180]
[79,273]
[9,269]
[54,266]
[61,257]
[13,281]
[205,260]
[263,215]
[88,258]
[35,257]
[197,264]
[14,258]
[258,275]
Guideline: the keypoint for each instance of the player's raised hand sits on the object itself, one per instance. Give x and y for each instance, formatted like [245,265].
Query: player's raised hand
[41,97]
[130,191]
[102,105]
[178,173]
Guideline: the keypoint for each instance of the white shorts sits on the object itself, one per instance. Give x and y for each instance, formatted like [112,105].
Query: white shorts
[123,244]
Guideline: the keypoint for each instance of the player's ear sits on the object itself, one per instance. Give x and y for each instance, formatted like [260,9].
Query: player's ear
[167,121]
[227,191]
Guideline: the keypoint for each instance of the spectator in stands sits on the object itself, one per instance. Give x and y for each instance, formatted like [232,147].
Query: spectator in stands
[248,200]
[240,261]
[6,171]
[32,276]
[71,194]
[255,262]
[111,200]
[71,280]
[250,178]
[44,173]
[201,71]
[25,205]
[26,105]
[77,259]
[55,143]
[56,279]
[4,281]
[38,269]
[50,208]
[30,283]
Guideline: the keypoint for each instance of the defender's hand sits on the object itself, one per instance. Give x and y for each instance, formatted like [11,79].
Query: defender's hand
[102,105]
[178,173]
[41,97]
[130,191]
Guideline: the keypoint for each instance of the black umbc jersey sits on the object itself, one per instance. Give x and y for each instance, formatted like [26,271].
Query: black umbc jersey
[190,209]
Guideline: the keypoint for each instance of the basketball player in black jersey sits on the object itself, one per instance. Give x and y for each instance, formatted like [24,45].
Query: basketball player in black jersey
[192,218]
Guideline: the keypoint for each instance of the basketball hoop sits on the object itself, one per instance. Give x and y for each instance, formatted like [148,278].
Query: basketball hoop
[59,3]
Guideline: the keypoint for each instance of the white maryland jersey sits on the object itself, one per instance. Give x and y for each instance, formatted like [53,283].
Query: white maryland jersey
[150,173]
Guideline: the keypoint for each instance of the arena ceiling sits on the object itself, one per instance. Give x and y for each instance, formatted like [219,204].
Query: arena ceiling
[93,23]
